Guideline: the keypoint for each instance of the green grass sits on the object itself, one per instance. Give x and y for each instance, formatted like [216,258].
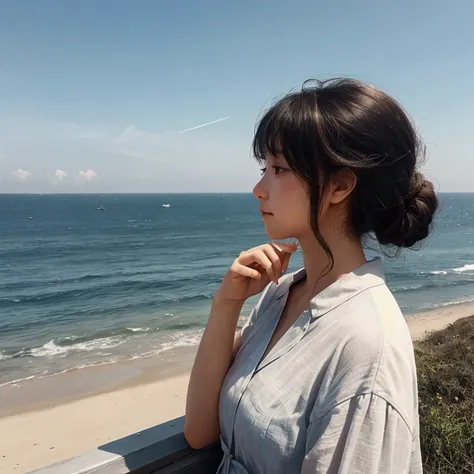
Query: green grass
[445,362]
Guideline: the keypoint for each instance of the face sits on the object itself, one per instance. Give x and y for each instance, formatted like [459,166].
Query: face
[284,201]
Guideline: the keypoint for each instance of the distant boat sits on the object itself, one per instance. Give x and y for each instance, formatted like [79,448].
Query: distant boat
[165,205]
[101,208]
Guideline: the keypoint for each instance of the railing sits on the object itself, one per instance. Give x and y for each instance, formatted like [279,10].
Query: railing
[161,449]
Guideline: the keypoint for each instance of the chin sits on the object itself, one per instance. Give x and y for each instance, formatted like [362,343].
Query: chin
[275,234]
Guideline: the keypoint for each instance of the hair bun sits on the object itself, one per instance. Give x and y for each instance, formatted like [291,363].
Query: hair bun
[416,212]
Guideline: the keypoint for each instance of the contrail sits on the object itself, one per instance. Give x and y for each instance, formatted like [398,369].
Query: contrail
[204,124]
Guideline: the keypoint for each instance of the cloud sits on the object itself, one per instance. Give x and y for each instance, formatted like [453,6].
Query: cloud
[21,175]
[127,158]
[88,175]
[57,177]
[60,175]
[141,144]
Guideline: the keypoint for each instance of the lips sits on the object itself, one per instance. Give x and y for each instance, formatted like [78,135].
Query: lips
[266,213]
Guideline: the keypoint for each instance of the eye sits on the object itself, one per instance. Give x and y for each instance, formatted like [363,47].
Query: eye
[277,169]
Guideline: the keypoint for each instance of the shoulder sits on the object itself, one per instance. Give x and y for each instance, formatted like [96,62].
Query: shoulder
[354,331]
[377,334]
[372,352]
[369,324]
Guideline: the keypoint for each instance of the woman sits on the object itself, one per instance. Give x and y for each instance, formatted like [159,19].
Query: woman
[322,377]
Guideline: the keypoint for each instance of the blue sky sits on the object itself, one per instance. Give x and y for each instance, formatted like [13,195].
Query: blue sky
[94,93]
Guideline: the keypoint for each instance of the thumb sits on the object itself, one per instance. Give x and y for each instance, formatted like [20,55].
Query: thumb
[285,248]
[285,261]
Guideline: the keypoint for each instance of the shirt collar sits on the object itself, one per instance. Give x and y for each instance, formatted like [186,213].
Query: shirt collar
[367,276]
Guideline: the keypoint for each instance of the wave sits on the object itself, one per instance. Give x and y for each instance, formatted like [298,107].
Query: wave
[466,268]
[433,272]
[407,288]
[27,283]
[13,382]
[182,339]
[4,355]
[432,284]
[51,348]
[59,250]
[109,309]
[182,325]
[175,340]
[97,340]
[189,299]
[120,287]
[458,302]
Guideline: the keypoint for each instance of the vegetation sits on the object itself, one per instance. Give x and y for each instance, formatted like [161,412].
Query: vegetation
[445,362]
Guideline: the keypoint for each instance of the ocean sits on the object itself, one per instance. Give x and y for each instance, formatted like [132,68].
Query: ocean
[97,279]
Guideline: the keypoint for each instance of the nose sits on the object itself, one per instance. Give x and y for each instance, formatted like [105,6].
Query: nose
[259,190]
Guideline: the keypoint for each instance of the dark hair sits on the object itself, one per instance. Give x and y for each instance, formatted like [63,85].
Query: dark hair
[343,124]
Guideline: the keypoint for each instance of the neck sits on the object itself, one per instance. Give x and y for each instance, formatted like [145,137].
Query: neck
[348,256]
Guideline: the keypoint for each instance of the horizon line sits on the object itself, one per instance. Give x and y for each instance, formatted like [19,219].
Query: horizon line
[14,193]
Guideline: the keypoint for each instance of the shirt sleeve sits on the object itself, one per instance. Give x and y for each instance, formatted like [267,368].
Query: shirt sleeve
[362,435]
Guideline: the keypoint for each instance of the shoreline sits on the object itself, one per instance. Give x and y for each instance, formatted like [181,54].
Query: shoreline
[422,323]
[52,419]
[61,389]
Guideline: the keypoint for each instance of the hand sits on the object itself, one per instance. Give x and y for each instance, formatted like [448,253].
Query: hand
[253,270]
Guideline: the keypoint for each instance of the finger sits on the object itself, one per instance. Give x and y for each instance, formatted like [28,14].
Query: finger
[286,248]
[266,261]
[258,256]
[258,267]
[285,261]
[285,252]
[273,271]
[245,271]
[275,258]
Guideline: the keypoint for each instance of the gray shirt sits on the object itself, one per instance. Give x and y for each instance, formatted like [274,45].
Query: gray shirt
[336,394]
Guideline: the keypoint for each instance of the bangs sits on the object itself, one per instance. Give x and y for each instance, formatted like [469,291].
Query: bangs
[288,129]
[267,140]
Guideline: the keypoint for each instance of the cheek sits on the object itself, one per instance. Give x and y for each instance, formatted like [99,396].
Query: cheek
[296,200]
[290,187]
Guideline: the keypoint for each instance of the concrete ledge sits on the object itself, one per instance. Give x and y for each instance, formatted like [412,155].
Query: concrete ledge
[160,449]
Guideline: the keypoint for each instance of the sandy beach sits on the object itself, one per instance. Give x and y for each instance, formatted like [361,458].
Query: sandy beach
[48,420]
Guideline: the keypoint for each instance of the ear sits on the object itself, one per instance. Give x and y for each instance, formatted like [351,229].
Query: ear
[341,186]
